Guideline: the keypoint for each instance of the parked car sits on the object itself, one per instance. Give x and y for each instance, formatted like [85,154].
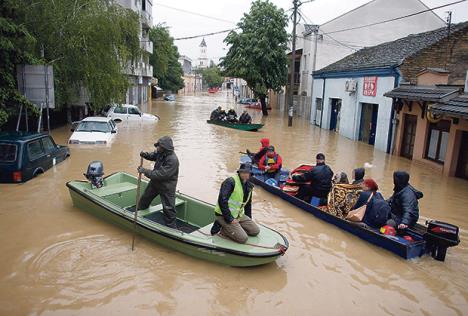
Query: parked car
[94,130]
[25,155]
[247,101]
[169,97]
[129,112]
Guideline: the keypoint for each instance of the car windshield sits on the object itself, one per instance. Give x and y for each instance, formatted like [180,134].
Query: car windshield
[7,152]
[90,126]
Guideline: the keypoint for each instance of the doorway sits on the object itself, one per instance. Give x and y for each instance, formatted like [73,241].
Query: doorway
[335,114]
[409,134]
[368,126]
[462,165]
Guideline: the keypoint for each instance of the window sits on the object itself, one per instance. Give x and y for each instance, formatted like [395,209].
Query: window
[35,150]
[90,126]
[8,152]
[48,144]
[318,104]
[112,124]
[438,141]
[133,111]
[120,110]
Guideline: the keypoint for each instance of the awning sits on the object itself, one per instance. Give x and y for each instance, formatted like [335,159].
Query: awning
[423,93]
[457,106]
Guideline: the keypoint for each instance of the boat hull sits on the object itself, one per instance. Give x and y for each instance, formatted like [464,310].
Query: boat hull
[200,251]
[404,249]
[242,127]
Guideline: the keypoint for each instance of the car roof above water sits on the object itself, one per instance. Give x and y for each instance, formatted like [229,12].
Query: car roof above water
[19,136]
[96,119]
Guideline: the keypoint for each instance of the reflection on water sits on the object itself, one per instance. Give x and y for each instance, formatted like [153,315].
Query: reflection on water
[59,260]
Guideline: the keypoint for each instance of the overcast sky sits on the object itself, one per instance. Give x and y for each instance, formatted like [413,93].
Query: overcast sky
[227,13]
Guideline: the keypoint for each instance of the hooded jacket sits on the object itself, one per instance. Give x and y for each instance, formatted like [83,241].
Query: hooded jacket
[404,201]
[359,175]
[165,173]
[262,151]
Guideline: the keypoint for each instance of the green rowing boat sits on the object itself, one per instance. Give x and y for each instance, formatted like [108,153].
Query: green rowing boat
[239,126]
[115,202]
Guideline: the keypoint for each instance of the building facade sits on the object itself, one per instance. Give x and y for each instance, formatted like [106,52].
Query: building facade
[432,121]
[140,72]
[321,45]
[349,95]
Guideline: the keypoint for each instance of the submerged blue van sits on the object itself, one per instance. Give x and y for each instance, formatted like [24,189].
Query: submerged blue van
[25,155]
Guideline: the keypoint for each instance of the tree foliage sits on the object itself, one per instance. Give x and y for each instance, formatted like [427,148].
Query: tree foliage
[166,66]
[212,77]
[15,46]
[257,51]
[89,43]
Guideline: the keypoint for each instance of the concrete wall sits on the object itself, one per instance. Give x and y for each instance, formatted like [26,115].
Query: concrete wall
[350,116]
[336,46]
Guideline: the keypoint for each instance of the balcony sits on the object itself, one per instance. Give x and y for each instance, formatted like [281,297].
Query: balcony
[146,19]
[146,45]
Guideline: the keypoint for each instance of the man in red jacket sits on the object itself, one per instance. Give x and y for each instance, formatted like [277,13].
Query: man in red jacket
[261,152]
[270,163]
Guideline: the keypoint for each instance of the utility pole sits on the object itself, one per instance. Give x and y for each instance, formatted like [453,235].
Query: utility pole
[293,64]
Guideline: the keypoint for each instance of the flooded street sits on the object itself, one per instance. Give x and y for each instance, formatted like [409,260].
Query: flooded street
[59,260]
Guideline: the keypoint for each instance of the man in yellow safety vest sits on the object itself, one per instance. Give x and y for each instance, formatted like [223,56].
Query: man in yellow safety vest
[234,208]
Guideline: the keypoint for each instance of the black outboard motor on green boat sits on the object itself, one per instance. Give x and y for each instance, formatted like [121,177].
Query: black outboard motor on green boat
[95,173]
[439,236]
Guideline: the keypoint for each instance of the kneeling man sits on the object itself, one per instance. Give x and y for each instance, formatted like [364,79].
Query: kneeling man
[234,209]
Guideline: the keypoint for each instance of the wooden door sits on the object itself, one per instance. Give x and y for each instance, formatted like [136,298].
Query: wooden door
[409,134]
[462,166]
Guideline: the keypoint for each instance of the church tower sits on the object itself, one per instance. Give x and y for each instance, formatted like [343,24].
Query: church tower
[203,61]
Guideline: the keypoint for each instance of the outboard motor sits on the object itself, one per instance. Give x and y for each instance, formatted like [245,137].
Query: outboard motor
[440,236]
[95,173]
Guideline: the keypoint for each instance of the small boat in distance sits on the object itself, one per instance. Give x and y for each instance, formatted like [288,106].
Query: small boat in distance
[239,126]
[115,202]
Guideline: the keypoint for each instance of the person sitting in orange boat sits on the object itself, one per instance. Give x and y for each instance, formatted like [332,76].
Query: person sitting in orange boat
[261,152]
[271,162]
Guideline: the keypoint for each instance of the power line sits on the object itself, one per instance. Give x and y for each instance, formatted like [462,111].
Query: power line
[194,13]
[396,19]
[204,35]
[308,20]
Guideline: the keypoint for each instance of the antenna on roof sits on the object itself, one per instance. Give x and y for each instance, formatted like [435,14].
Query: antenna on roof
[449,24]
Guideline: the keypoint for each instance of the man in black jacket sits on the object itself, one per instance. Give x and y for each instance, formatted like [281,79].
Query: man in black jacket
[321,181]
[234,208]
[163,179]
[404,202]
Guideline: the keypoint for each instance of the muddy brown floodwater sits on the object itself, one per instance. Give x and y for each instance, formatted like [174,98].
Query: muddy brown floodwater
[58,260]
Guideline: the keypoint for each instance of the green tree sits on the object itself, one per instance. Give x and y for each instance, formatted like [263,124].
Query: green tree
[166,66]
[257,51]
[212,77]
[90,44]
[15,47]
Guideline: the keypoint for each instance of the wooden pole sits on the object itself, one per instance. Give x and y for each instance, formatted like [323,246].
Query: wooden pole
[137,204]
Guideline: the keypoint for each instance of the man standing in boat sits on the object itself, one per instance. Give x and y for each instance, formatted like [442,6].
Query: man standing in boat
[163,179]
[234,208]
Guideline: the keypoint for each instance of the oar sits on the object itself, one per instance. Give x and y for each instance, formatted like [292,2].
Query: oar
[137,205]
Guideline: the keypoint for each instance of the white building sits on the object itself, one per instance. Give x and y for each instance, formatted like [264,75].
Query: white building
[141,72]
[203,61]
[348,95]
[322,45]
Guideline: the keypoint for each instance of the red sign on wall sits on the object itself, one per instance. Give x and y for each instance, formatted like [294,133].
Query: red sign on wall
[370,86]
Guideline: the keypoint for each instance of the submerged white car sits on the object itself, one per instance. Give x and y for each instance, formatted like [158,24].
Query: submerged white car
[94,130]
[129,112]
